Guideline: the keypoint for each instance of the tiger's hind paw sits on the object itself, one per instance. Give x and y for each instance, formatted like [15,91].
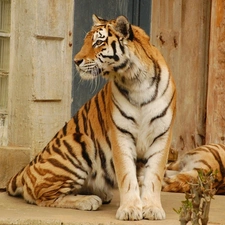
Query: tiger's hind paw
[129,213]
[89,203]
[172,184]
[81,202]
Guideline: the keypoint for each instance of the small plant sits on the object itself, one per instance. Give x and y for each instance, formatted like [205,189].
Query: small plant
[197,204]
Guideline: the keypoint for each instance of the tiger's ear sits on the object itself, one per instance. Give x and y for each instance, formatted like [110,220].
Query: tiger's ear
[123,26]
[98,20]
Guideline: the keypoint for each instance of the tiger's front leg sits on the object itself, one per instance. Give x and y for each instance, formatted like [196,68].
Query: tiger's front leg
[130,202]
[152,181]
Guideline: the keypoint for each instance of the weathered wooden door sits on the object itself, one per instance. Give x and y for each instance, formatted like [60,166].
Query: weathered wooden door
[137,11]
[180,29]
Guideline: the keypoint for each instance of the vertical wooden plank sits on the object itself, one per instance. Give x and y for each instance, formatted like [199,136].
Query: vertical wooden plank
[215,123]
[180,30]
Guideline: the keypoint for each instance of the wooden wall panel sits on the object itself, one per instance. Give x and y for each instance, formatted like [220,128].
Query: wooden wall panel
[215,123]
[180,29]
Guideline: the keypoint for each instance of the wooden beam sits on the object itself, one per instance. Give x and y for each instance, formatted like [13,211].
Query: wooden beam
[180,29]
[215,121]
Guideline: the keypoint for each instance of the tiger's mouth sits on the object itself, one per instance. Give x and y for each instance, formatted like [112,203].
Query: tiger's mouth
[88,72]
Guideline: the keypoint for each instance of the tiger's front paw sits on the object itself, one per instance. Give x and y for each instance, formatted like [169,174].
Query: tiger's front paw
[129,213]
[153,213]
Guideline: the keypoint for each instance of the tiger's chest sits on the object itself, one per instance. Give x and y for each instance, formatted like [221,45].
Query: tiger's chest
[146,117]
[143,122]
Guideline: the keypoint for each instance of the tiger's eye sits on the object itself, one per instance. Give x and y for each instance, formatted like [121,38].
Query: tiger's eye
[98,42]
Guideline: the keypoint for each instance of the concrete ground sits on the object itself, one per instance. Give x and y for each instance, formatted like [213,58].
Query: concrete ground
[17,211]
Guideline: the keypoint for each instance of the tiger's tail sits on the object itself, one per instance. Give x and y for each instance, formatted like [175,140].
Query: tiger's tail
[15,184]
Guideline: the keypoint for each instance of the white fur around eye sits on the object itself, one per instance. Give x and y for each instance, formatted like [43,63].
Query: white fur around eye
[98,43]
[99,37]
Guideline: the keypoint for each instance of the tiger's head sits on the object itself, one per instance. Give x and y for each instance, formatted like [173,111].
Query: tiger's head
[111,48]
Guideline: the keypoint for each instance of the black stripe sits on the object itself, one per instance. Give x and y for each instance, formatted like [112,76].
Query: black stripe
[58,151]
[163,113]
[99,114]
[58,164]
[71,152]
[192,153]
[76,119]
[108,140]
[87,106]
[112,165]
[84,119]
[121,111]
[123,91]
[102,94]
[55,135]
[157,71]
[121,46]
[108,180]
[219,160]
[114,56]
[86,109]
[200,149]
[124,131]
[102,157]
[13,184]
[121,66]
[156,80]
[105,73]
[57,177]
[155,153]
[57,141]
[205,163]
[85,155]
[92,135]
[77,166]
[131,33]
[47,149]
[167,85]
[77,138]
[222,146]
[64,129]
[160,135]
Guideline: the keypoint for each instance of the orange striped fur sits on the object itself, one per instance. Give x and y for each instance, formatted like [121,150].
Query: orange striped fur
[184,171]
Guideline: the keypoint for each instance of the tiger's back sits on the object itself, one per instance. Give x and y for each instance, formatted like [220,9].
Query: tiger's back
[206,158]
[120,137]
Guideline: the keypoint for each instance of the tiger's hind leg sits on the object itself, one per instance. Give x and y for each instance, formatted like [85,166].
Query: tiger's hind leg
[179,182]
[81,202]
[61,176]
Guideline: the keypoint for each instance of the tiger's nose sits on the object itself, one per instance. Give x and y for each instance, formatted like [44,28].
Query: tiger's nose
[78,61]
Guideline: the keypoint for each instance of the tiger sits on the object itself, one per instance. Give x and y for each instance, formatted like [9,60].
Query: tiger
[125,128]
[205,159]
